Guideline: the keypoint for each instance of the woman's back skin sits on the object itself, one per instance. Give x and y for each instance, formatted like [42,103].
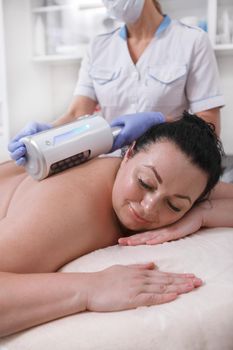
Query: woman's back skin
[46,224]
[49,223]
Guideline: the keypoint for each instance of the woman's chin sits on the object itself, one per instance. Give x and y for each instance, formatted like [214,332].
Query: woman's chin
[135,226]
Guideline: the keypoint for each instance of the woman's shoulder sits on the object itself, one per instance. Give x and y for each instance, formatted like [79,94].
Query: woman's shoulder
[180,28]
[102,42]
[101,165]
[107,36]
[187,38]
[95,170]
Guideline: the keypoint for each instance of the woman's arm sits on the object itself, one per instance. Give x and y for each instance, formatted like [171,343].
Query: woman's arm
[222,190]
[218,213]
[215,212]
[27,300]
[189,223]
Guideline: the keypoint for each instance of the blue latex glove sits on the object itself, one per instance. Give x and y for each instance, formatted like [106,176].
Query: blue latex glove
[16,147]
[133,126]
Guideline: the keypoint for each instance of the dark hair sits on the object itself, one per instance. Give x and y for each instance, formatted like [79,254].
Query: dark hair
[196,139]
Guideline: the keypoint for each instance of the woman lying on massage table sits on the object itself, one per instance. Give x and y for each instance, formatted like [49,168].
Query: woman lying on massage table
[46,224]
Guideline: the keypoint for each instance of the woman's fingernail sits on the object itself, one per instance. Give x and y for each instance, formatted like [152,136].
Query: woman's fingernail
[197,281]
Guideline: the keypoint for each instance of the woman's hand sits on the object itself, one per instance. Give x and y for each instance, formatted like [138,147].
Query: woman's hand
[127,287]
[189,223]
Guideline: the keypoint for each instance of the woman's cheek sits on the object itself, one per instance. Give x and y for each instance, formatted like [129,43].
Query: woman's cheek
[123,191]
[131,190]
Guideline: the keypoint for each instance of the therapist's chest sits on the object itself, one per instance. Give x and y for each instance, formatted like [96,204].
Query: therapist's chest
[142,77]
[136,48]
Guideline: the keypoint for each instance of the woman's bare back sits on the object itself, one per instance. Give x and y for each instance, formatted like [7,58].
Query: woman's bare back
[49,223]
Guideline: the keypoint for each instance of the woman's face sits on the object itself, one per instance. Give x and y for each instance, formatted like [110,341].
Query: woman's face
[156,187]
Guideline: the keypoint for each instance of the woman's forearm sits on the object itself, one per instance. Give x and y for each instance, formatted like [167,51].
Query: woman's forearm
[217,213]
[27,300]
[222,190]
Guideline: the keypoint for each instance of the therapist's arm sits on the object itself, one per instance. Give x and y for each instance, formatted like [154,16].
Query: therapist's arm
[80,106]
[211,116]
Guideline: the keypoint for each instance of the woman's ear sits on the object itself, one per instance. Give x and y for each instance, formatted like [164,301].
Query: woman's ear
[129,153]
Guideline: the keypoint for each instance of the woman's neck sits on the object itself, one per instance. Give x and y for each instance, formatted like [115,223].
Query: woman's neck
[145,27]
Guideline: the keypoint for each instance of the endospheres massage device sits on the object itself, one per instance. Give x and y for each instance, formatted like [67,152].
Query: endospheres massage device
[59,148]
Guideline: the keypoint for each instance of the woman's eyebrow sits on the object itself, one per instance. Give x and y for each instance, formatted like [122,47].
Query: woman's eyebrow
[158,177]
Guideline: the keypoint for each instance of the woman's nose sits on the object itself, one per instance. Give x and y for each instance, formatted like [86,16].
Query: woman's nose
[151,202]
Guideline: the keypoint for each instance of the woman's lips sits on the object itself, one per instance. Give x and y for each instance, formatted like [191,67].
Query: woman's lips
[137,217]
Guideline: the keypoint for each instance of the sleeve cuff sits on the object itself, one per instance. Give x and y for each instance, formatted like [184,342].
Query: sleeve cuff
[208,103]
[85,91]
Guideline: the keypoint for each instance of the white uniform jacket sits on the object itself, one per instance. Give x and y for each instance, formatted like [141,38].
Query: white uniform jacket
[177,71]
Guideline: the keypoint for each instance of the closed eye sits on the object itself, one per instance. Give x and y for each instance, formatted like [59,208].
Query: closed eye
[173,207]
[145,185]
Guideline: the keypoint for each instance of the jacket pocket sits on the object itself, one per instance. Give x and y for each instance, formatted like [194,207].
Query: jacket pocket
[165,85]
[103,76]
[167,74]
[106,83]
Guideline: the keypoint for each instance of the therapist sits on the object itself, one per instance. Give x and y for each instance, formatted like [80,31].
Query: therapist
[151,64]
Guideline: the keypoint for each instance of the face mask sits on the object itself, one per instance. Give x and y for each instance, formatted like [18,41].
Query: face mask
[127,11]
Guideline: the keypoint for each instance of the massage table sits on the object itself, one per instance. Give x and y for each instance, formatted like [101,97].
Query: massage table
[199,320]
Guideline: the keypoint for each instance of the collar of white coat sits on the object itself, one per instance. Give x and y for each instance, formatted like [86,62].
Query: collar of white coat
[163,25]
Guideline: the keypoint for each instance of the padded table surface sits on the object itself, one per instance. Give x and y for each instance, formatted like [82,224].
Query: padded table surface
[200,320]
